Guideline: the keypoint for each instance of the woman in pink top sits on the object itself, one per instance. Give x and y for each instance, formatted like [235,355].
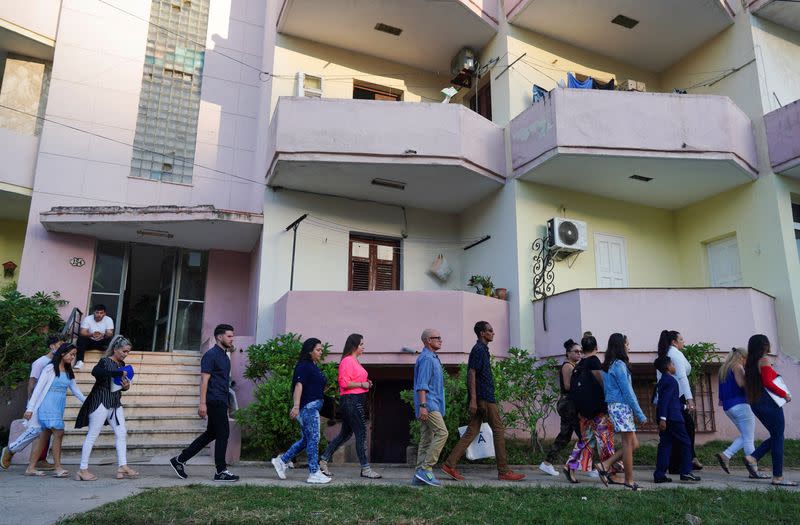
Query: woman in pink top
[353,387]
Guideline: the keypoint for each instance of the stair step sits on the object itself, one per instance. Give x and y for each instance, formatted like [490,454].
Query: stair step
[150,387]
[92,357]
[152,409]
[157,376]
[136,437]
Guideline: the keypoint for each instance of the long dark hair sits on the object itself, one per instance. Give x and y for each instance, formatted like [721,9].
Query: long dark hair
[58,356]
[308,347]
[757,346]
[615,351]
[350,346]
[588,343]
[665,341]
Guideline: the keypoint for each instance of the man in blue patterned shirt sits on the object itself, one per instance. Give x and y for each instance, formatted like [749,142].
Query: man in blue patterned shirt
[430,407]
[482,407]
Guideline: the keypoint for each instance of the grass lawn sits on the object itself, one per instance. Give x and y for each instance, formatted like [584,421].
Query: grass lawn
[199,504]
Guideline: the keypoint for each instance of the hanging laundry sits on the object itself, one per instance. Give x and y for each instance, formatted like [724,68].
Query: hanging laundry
[598,84]
[573,82]
[539,93]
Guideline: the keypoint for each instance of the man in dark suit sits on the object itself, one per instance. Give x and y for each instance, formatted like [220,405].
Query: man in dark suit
[672,429]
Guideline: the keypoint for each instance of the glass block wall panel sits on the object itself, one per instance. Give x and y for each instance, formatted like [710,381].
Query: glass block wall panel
[166,128]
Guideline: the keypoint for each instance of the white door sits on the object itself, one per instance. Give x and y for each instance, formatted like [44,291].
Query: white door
[723,263]
[611,261]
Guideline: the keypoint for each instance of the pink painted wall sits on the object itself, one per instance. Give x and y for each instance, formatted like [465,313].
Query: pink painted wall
[783,136]
[489,10]
[391,321]
[643,123]
[442,133]
[228,293]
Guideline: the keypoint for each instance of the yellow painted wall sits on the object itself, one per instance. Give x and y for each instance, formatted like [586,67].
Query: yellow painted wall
[12,238]
[547,61]
[338,67]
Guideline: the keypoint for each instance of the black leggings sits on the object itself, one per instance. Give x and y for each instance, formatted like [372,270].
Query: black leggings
[353,422]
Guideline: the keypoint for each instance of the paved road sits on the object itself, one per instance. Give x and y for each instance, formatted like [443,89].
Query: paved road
[27,500]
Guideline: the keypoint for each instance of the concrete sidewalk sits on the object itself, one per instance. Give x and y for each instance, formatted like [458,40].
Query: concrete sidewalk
[26,500]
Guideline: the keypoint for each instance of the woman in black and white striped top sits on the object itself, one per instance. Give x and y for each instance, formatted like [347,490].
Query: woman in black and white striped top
[103,406]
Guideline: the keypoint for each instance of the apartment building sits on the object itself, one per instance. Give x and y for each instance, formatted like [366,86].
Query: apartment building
[178,143]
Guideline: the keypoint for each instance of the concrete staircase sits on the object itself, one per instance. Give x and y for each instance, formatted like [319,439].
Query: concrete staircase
[160,407]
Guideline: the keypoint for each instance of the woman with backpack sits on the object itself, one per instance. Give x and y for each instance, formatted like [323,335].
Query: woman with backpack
[623,407]
[565,407]
[596,430]
[670,344]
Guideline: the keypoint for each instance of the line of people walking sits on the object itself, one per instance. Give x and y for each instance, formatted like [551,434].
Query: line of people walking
[597,402]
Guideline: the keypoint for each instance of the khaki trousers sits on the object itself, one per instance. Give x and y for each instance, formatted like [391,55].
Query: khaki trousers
[433,435]
[486,412]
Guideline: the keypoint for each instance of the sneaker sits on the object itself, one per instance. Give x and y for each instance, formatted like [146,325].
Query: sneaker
[427,477]
[290,464]
[452,472]
[225,475]
[318,477]
[280,467]
[44,465]
[78,365]
[367,472]
[665,479]
[593,474]
[547,468]
[5,460]
[510,475]
[177,466]
[416,482]
[323,467]
[689,477]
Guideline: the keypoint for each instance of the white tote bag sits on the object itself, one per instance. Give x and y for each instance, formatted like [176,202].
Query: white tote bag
[780,383]
[441,268]
[483,445]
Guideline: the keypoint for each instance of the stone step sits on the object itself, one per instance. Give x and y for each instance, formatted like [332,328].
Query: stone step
[85,373]
[146,397]
[188,358]
[151,388]
[151,409]
[136,437]
[160,376]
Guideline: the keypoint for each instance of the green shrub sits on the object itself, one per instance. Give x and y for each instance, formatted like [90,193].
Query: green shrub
[266,420]
[700,356]
[24,324]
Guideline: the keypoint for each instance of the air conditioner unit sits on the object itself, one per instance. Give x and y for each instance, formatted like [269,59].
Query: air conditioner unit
[464,66]
[566,235]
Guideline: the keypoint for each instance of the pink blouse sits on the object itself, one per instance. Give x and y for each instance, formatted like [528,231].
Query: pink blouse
[351,371]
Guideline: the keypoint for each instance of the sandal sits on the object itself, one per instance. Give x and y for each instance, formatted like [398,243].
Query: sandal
[603,473]
[61,473]
[633,486]
[570,475]
[753,470]
[126,472]
[80,476]
[724,462]
[36,473]
[784,483]
[612,481]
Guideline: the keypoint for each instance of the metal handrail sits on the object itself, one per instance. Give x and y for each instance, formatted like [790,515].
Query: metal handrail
[72,326]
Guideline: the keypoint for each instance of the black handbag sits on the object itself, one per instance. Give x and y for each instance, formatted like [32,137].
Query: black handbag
[328,409]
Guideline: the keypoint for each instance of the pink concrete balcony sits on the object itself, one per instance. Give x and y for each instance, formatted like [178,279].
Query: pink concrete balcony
[431,32]
[682,148]
[783,137]
[392,321]
[664,32]
[725,316]
[780,12]
[340,147]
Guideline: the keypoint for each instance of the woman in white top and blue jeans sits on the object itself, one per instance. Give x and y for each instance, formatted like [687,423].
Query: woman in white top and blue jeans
[671,344]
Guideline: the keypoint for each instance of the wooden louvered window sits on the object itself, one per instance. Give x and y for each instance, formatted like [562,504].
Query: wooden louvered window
[374,264]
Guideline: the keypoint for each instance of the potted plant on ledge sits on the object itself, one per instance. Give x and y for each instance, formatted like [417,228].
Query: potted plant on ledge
[482,283]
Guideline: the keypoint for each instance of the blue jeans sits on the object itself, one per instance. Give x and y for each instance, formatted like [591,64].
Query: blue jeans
[771,416]
[742,416]
[353,422]
[309,426]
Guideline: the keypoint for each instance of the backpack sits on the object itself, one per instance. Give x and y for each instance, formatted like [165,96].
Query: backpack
[585,392]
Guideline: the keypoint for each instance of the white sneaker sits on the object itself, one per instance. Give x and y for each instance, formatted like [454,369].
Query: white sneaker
[290,464]
[318,477]
[548,469]
[78,365]
[280,467]
[593,474]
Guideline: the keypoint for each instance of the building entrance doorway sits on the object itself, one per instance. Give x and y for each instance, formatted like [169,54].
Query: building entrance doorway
[154,294]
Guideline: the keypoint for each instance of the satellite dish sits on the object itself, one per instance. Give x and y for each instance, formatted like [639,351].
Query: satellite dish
[568,233]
